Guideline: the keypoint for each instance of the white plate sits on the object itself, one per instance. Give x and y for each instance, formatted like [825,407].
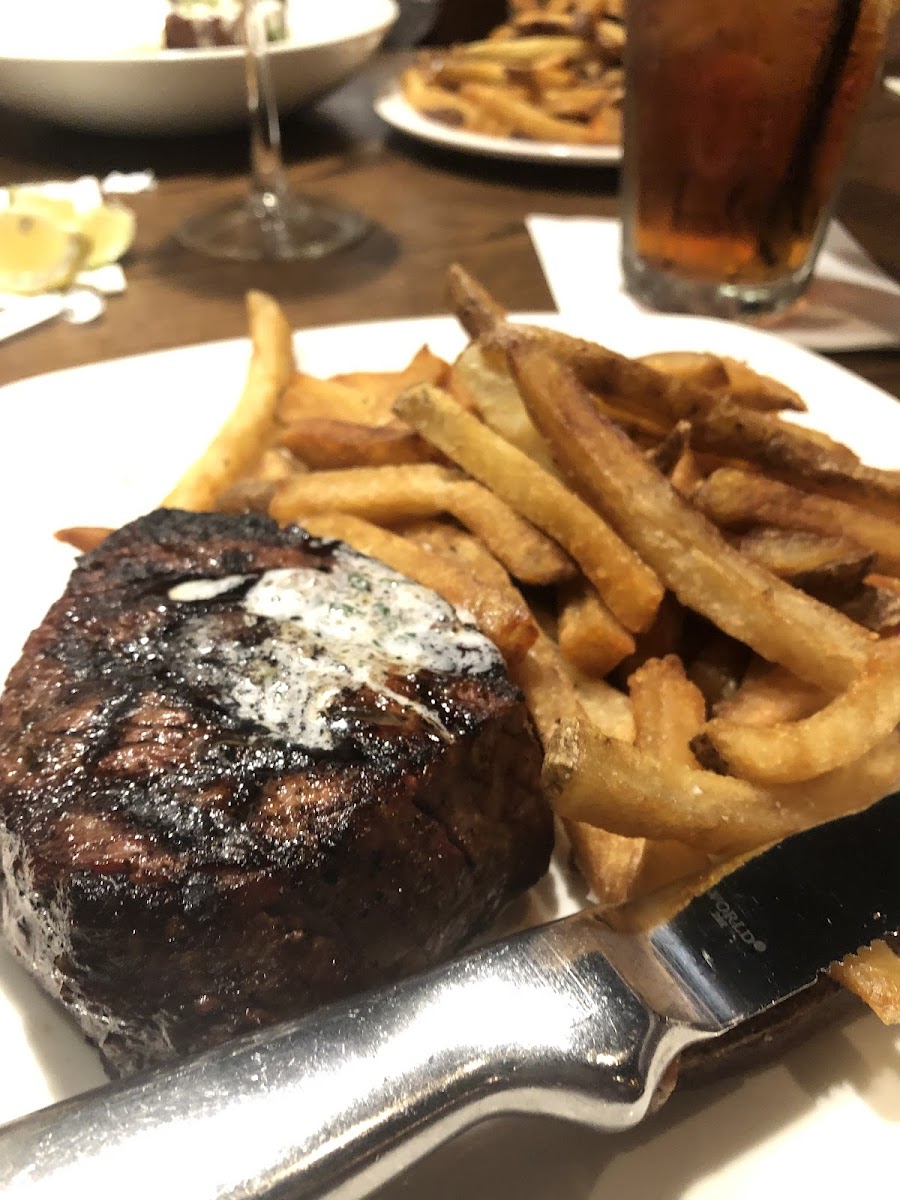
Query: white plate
[393,107]
[101,444]
[189,91]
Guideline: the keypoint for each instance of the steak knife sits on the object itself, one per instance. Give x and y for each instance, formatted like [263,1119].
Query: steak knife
[571,1019]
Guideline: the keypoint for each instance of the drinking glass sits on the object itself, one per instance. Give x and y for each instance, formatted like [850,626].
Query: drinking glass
[271,222]
[738,116]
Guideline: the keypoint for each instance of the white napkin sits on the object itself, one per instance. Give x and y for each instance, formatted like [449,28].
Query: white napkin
[851,303]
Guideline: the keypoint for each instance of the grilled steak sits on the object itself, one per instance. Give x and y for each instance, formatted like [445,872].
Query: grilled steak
[244,771]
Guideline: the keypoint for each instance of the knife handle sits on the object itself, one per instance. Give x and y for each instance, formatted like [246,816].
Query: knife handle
[344,1100]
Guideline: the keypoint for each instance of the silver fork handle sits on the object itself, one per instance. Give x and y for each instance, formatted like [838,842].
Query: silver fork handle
[338,1103]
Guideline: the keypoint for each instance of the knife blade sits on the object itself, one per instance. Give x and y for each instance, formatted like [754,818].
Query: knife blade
[572,1019]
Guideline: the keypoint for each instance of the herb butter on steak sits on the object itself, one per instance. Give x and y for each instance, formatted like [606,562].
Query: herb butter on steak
[244,771]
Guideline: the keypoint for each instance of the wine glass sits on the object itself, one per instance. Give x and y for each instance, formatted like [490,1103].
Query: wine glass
[271,222]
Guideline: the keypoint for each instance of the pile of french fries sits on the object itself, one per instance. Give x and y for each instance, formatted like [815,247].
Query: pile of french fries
[552,73]
[698,598]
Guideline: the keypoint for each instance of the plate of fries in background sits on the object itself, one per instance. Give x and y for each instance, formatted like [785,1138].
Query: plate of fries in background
[545,86]
[685,539]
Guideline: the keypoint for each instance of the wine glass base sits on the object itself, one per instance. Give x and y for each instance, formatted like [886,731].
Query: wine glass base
[291,228]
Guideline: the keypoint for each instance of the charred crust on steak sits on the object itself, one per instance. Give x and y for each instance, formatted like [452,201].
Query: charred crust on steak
[176,867]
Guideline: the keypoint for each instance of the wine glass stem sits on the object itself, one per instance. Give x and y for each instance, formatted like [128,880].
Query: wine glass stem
[267,181]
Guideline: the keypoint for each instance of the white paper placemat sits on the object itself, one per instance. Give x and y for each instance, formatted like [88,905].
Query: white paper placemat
[851,305]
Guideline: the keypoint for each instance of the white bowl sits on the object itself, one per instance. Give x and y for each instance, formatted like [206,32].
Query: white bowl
[190,91]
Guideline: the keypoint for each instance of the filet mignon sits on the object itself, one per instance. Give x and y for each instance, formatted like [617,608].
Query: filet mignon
[244,771]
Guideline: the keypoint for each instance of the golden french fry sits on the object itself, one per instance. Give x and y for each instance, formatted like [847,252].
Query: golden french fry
[667,454]
[83,538]
[735,499]
[769,695]
[668,712]
[604,705]
[828,566]
[323,444]
[239,444]
[761,392]
[842,731]
[481,381]
[703,370]
[383,386]
[390,495]
[384,495]
[525,552]
[476,310]
[626,584]
[875,606]
[589,634]
[597,779]
[688,554]
[436,101]
[548,689]
[525,118]
[308,398]
[873,974]
[799,455]
[501,615]
[522,51]
[626,382]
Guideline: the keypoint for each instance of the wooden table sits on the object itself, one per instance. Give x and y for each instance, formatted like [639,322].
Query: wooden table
[430,207]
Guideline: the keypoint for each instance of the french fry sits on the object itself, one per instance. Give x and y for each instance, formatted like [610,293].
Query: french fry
[525,552]
[83,538]
[253,493]
[873,974]
[726,375]
[383,386]
[604,705]
[736,499]
[249,429]
[666,455]
[589,634]
[688,554]
[476,310]
[593,778]
[323,444]
[791,452]
[630,588]
[761,392]
[626,382]
[501,615]
[841,732]
[384,495]
[480,381]
[390,495]
[668,712]
[825,565]
[307,397]
[769,695]
[875,606]
[548,689]
[524,118]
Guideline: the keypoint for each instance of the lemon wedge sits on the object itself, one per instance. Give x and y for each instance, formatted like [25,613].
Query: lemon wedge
[37,254]
[109,231]
[37,204]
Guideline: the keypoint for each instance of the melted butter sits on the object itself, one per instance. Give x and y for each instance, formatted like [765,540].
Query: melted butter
[205,589]
[354,624]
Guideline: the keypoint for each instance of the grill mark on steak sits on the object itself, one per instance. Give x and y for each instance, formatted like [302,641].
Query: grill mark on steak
[176,869]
